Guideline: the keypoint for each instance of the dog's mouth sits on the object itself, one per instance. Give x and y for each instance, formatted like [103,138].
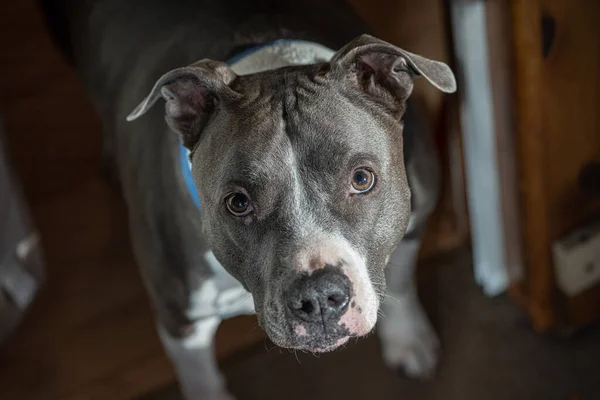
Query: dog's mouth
[315,345]
[318,335]
[315,339]
[325,349]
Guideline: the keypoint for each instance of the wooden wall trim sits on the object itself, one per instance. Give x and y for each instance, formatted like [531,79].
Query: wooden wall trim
[538,289]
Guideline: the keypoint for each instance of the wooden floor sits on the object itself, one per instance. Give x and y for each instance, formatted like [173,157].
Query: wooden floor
[90,334]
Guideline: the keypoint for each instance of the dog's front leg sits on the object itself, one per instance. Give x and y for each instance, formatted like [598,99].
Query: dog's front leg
[188,334]
[193,358]
[186,298]
[188,338]
[407,338]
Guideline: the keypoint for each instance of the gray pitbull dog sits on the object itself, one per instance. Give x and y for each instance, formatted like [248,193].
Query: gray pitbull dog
[299,158]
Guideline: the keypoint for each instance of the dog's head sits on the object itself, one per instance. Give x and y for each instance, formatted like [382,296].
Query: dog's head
[301,177]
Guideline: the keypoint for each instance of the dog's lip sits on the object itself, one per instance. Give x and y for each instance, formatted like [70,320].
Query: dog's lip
[332,347]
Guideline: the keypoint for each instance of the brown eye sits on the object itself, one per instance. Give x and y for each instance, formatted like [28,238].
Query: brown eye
[362,181]
[238,204]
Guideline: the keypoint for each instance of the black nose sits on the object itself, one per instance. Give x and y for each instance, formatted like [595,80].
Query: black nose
[322,296]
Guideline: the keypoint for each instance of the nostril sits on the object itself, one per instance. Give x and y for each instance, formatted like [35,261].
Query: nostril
[337,300]
[307,307]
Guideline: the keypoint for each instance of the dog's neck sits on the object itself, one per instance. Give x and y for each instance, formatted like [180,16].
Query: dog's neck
[265,57]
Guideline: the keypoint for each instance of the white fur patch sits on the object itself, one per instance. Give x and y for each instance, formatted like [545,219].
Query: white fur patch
[26,245]
[411,223]
[282,54]
[231,298]
[204,331]
[203,301]
[194,361]
[361,318]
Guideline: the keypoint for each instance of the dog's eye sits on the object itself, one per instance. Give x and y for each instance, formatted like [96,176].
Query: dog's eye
[238,204]
[362,180]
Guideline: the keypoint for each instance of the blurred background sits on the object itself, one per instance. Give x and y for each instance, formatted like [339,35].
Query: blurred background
[510,269]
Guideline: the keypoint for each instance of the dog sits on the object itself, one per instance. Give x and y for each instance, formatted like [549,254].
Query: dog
[278,178]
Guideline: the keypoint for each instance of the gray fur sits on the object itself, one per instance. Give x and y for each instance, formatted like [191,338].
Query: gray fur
[289,138]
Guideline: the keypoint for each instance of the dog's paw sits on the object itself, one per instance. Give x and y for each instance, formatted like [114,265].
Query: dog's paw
[408,342]
[223,396]
[416,356]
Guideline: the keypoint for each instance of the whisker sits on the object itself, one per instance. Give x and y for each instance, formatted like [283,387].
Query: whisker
[297,359]
[391,297]
[384,294]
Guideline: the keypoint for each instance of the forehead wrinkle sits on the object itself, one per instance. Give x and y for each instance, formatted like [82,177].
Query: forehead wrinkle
[258,156]
[320,148]
[338,132]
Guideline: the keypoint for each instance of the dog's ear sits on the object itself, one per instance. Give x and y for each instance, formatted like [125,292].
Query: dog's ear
[191,95]
[385,71]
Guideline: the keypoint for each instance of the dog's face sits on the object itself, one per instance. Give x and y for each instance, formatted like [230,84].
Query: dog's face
[301,178]
[304,195]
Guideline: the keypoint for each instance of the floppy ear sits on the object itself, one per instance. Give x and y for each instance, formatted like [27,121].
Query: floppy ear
[191,95]
[385,71]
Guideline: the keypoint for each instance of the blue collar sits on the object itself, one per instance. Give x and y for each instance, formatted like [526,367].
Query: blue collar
[187,174]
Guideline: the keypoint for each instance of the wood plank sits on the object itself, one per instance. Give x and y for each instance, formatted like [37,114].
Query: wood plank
[539,284]
[558,133]
[570,80]
[572,130]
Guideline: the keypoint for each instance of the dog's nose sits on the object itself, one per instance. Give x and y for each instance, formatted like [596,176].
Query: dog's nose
[322,296]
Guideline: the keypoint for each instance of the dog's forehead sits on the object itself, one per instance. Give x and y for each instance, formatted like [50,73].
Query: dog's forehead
[271,142]
[305,107]
[293,118]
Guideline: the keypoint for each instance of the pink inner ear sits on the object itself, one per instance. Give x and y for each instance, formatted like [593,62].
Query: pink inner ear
[376,68]
[382,63]
[386,79]
[364,66]
[376,62]
[186,99]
